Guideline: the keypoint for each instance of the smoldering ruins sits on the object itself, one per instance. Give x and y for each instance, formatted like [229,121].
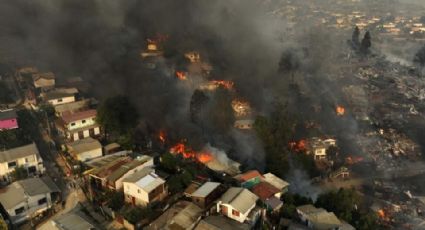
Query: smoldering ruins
[208,77]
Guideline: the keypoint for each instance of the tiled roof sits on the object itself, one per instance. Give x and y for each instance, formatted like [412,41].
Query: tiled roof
[248,175]
[79,116]
[265,190]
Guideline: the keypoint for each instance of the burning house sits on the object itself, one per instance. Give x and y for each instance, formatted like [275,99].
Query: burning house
[317,147]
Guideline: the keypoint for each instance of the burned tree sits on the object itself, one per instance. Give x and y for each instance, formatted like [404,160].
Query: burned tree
[366,43]
[289,63]
[198,103]
[355,38]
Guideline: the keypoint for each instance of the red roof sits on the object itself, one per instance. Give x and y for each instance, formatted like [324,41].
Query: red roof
[249,175]
[265,190]
[68,118]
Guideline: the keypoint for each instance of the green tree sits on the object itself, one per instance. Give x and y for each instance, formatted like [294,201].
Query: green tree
[169,162]
[116,200]
[220,112]
[5,93]
[117,115]
[19,173]
[342,202]
[136,214]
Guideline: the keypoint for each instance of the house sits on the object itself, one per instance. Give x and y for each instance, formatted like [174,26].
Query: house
[103,167]
[60,96]
[43,80]
[72,107]
[317,148]
[72,220]
[220,223]
[26,156]
[115,179]
[8,120]
[277,183]
[268,194]
[249,178]
[85,149]
[144,187]
[244,124]
[237,203]
[320,219]
[186,218]
[25,199]
[206,194]
[78,125]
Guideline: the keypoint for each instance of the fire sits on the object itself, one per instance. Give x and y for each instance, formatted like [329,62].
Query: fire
[353,160]
[161,136]
[298,146]
[340,111]
[181,75]
[223,83]
[381,213]
[188,153]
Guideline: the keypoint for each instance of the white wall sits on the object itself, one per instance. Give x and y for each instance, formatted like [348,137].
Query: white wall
[242,216]
[63,100]
[27,162]
[81,123]
[142,197]
[31,208]
[88,155]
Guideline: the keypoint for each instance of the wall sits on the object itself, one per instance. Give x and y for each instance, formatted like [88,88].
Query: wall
[88,155]
[242,216]
[64,100]
[33,160]
[134,191]
[31,208]
[89,121]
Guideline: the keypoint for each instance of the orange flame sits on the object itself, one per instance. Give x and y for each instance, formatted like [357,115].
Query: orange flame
[223,83]
[353,160]
[161,136]
[340,111]
[298,146]
[381,213]
[188,153]
[181,75]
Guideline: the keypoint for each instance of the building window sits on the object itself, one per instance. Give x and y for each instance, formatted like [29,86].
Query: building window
[73,124]
[11,164]
[83,121]
[235,213]
[19,210]
[42,201]
[138,190]
[60,100]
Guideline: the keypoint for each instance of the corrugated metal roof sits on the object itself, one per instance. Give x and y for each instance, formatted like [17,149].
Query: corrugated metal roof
[205,189]
[240,199]
[84,145]
[19,152]
[275,181]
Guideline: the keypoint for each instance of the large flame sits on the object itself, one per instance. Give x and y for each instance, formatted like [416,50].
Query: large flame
[223,83]
[181,75]
[188,153]
[381,213]
[340,111]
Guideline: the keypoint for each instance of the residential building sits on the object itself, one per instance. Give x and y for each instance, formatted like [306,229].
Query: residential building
[44,80]
[72,107]
[220,223]
[85,149]
[78,125]
[144,187]
[237,203]
[320,219]
[206,194]
[115,179]
[25,199]
[186,218]
[103,167]
[249,178]
[277,183]
[244,124]
[60,96]
[26,156]
[268,195]
[317,147]
[8,120]
[72,220]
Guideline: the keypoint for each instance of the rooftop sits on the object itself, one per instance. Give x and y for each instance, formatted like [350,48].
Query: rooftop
[239,198]
[265,190]
[46,75]
[8,114]
[186,217]
[84,145]
[127,167]
[206,189]
[275,181]
[145,179]
[68,118]
[220,223]
[19,152]
[248,175]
